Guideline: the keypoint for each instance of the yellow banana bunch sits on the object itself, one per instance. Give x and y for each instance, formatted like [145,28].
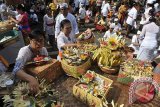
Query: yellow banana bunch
[113,42]
[107,58]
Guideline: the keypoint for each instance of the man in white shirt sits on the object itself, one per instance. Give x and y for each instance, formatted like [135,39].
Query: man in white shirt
[110,32]
[132,16]
[65,15]
[105,9]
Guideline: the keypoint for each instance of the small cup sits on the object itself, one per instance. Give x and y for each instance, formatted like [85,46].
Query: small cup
[9,84]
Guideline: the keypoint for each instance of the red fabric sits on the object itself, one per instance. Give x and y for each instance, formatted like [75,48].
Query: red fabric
[100,27]
[24,22]
[24,19]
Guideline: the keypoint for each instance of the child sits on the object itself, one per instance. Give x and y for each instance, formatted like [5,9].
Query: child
[135,43]
[82,14]
[3,64]
[117,27]
[33,17]
[88,15]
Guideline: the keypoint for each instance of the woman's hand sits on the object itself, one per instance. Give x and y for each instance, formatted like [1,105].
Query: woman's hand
[33,85]
[9,17]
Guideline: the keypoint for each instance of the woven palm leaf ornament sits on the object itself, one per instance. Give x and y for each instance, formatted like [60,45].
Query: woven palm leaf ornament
[21,96]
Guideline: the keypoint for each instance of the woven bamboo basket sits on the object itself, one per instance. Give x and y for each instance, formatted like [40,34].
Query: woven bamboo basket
[49,71]
[88,98]
[75,71]
[112,70]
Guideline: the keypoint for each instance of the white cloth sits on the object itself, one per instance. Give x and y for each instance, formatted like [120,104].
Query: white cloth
[18,16]
[34,17]
[132,16]
[82,13]
[62,40]
[146,54]
[73,21]
[25,55]
[105,9]
[149,43]
[150,32]
[2,67]
[48,29]
[109,34]
[146,13]
[135,40]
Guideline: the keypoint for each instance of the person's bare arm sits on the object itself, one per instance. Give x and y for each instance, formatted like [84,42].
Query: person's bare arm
[33,83]
[15,21]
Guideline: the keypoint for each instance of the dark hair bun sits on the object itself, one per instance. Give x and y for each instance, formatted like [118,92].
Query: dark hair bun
[63,22]
[21,7]
[152,19]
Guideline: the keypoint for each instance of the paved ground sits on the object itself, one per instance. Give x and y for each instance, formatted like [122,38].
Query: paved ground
[118,92]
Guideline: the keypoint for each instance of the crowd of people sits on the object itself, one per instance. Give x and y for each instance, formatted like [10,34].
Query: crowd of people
[138,20]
